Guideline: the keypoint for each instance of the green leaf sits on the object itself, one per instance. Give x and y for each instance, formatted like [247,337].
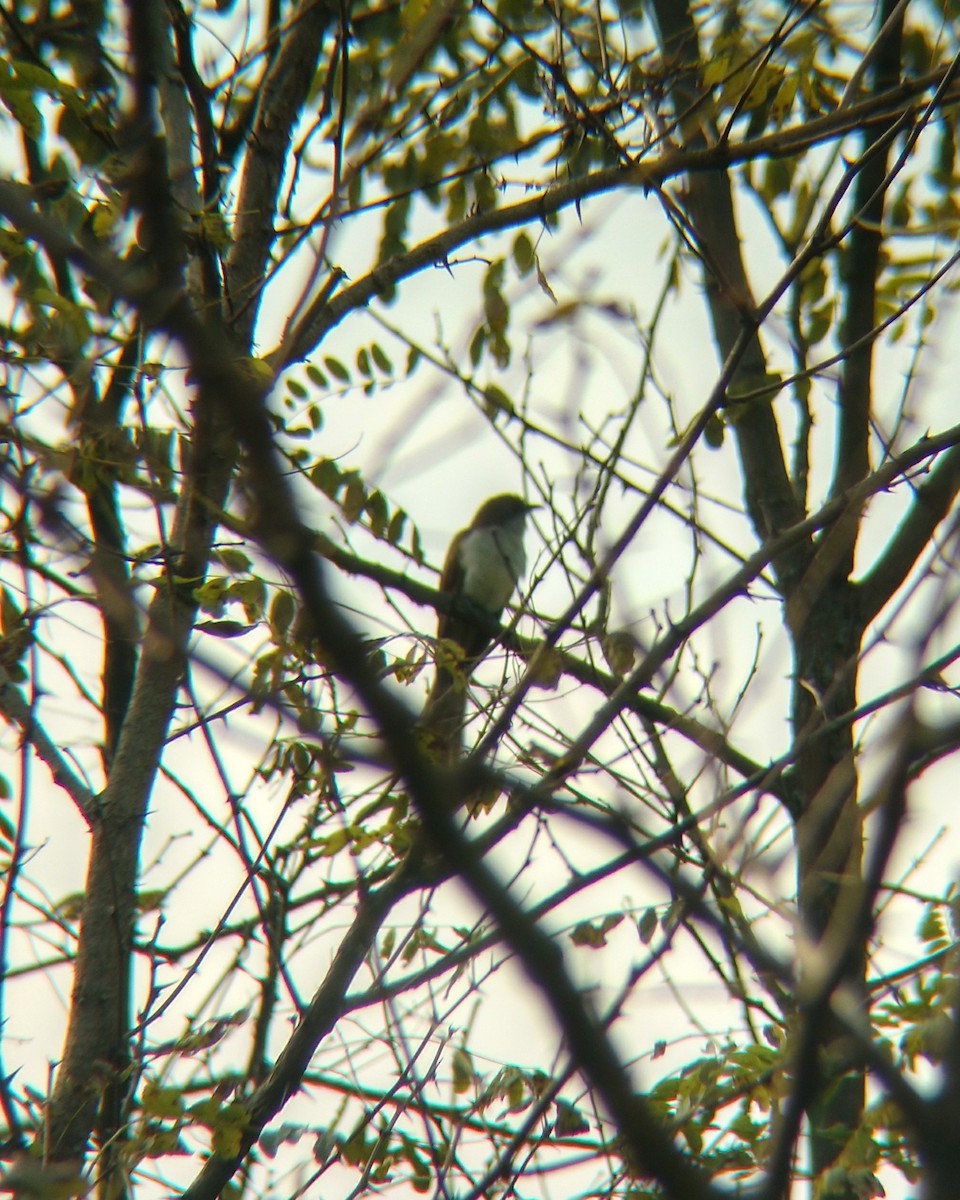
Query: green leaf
[546,667]
[495,307]
[477,343]
[819,322]
[462,1071]
[714,431]
[38,79]
[326,477]
[382,361]
[210,595]
[931,928]
[104,220]
[282,610]
[497,401]
[337,369]
[213,230]
[544,284]
[753,388]
[236,561]
[8,833]
[158,1101]
[416,549]
[252,594]
[11,618]
[354,499]
[524,256]
[594,934]
[378,512]
[395,528]
[570,1120]
[316,376]
[22,108]
[82,137]
[223,628]
[647,925]
[151,899]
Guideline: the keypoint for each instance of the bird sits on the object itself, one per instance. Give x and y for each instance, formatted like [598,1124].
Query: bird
[482,569]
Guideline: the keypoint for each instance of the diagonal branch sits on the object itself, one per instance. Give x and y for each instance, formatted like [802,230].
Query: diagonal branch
[323,1012]
[931,503]
[99,1020]
[283,93]
[15,708]
[649,1145]
[769,496]
[664,649]
[861,269]
[708,739]
[325,313]
[286,539]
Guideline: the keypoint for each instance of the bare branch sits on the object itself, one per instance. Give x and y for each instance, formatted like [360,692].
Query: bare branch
[281,97]
[931,503]
[325,1009]
[326,313]
[15,708]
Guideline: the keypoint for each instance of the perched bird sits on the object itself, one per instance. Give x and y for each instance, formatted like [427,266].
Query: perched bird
[482,569]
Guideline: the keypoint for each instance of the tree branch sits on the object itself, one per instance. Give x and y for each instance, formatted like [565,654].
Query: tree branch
[735,585]
[98,1024]
[325,1009]
[861,263]
[282,94]
[15,708]
[709,740]
[771,501]
[326,313]
[931,502]
[648,1144]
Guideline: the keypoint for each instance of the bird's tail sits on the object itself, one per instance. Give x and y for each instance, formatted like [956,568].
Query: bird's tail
[444,714]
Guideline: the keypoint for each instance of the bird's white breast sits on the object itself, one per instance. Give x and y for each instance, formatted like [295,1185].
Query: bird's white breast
[492,560]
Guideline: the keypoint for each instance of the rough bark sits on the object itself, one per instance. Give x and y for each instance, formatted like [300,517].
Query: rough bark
[95,1057]
[821,605]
